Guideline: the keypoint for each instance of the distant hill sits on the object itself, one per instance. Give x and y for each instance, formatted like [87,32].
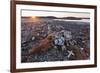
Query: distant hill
[49,17]
[53,17]
[72,18]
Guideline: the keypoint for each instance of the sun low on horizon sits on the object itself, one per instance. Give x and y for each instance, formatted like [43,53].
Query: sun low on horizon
[33,17]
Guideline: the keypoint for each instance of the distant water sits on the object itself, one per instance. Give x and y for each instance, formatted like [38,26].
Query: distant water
[83,20]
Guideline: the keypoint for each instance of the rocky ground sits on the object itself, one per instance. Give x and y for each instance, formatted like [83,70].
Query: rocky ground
[80,33]
[51,55]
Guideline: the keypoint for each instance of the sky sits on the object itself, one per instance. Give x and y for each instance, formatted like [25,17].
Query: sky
[54,13]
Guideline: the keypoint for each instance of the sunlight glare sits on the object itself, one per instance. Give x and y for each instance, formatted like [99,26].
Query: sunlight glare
[33,17]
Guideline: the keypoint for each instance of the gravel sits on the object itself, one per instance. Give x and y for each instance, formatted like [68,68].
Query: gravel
[53,54]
